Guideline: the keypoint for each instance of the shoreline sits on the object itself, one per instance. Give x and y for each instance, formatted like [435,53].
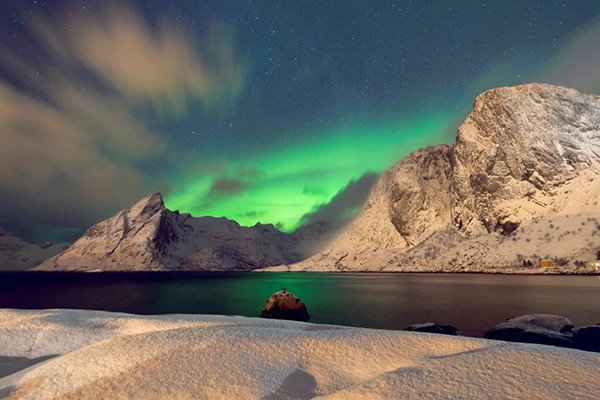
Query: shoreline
[511,273]
[471,302]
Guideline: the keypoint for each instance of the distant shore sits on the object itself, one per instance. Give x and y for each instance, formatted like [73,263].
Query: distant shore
[268,270]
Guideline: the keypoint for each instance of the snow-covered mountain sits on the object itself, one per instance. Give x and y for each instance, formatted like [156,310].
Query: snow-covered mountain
[149,237]
[17,254]
[521,183]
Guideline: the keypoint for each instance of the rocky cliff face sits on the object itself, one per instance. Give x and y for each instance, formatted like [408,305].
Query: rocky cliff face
[17,254]
[149,237]
[521,182]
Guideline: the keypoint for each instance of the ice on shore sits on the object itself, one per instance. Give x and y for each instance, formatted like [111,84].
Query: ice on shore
[114,355]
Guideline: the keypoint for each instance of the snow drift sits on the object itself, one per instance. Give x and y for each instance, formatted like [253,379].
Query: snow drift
[112,355]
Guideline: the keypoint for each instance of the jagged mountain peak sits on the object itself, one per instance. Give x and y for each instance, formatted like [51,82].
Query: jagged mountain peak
[148,205]
[148,236]
[540,126]
[265,226]
[521,142]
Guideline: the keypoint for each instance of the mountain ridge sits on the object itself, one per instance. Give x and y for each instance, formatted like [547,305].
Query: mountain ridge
[17,254]
[523,156]
[519,184]
[149,237]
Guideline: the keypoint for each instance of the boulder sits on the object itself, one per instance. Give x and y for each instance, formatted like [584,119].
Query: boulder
[431,327]
[284,305]
[548,329]
[587,337]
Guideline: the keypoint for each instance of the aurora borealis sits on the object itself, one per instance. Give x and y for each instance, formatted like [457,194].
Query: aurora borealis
[286,182]
[278,112]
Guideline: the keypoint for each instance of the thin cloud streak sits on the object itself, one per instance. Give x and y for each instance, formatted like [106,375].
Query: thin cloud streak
[73,137]
[346,204]
[577,63]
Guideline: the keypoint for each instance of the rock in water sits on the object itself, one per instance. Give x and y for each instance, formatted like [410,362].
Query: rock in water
[535,328]
[431,327]
[588,337]
[284,305]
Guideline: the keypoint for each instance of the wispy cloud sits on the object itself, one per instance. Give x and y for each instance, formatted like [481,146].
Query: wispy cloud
[574,63]
[577,63]
[346,204]
[73,138]
[226,186]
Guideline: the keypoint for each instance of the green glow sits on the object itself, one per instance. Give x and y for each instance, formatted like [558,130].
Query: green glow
[294,179]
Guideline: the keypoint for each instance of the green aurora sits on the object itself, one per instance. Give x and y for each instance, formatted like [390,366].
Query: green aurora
[274,112]
[293,180]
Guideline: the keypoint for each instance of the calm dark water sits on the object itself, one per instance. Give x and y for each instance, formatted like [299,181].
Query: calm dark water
[473,303]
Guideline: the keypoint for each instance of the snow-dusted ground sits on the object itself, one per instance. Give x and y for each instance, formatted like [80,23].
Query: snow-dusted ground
[112,355]
[17,254]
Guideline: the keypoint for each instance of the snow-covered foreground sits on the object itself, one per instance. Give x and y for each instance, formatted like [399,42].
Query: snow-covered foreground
[113,355]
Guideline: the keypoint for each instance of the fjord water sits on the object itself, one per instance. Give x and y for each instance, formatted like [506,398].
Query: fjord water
[471,302]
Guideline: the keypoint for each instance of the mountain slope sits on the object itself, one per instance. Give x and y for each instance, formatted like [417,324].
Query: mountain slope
[149,237]
[521,182]
[17,254]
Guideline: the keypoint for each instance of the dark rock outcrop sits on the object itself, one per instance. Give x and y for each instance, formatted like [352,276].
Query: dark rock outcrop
[587,337]
[284,305]
[535,328]
[431,327]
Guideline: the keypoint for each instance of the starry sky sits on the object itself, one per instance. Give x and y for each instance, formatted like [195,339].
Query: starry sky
[272,111]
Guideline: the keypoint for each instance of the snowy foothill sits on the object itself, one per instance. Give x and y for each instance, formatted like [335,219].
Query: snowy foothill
[93,354]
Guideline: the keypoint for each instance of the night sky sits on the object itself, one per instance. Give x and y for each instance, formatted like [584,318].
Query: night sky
[282,112]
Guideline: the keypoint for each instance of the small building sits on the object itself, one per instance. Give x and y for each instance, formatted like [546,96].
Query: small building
[594,266]
[547,264]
